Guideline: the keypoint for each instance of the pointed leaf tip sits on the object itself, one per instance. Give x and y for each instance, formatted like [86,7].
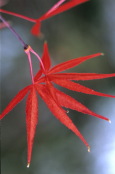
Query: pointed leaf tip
[28,165]
[102,54]
[88,149]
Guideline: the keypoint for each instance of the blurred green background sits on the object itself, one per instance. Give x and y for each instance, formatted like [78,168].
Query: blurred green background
[86,29]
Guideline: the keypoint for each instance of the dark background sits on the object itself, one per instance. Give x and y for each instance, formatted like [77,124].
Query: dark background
[86,29]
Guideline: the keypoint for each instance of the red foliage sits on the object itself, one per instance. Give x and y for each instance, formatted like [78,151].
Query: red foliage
[54,11]
[58,8]
[55,99]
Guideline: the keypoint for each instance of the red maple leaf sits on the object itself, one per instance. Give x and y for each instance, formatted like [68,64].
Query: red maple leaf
[58,8]
[55,99]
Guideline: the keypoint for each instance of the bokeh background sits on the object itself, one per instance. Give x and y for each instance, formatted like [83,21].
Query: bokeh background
[86,29]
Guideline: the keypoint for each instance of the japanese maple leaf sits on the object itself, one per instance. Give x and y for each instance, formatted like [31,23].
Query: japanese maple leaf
[54,98]
[58,8]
